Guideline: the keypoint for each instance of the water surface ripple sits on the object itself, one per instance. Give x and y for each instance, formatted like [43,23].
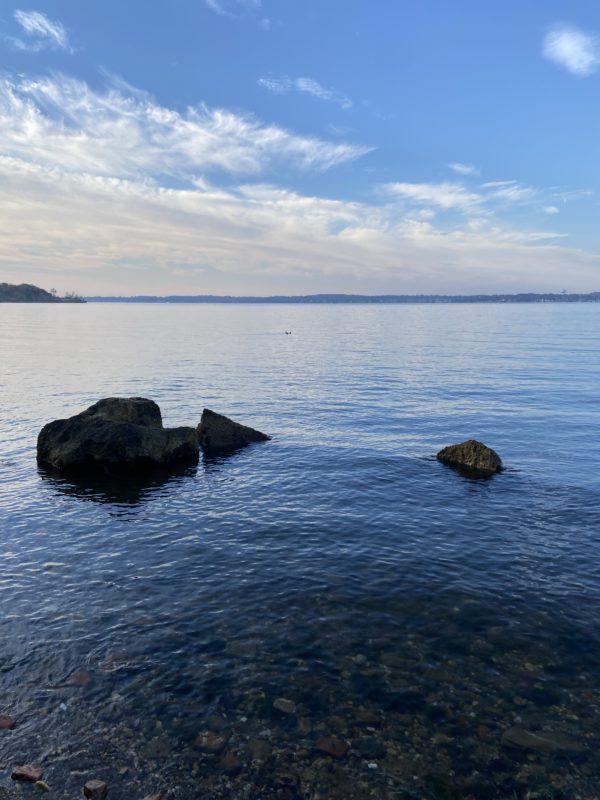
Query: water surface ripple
[430,621]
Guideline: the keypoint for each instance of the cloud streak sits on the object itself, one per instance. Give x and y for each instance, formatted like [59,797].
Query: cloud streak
[443,195]
[306,86]
[232,8]
[572,49]
[463,169]
[42,32]
[62,122]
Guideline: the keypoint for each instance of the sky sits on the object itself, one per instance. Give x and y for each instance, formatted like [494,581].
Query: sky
[300,146]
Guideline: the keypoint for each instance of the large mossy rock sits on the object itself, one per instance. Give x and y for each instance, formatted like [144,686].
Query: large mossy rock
[220,435]
[471,456]
[116,435]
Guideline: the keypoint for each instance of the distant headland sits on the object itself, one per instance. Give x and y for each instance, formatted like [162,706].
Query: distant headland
[27,293]
[529,297]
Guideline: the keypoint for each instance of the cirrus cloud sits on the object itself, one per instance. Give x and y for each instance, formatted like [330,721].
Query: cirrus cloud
[63,122]
[42,32]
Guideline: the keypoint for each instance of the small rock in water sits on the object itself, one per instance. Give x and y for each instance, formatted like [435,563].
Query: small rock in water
[259,749]
[543,741]
[219,435]
[157,796]
[332,746]
[6,722]
[42,786]
[27,772]
[370,748]
[210,742]
[365,717]
[79,679]
[472,456]
[285,706]
[95,789]
[230,763]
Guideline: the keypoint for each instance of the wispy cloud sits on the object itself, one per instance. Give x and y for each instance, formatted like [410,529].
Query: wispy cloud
[510,191]
[130,196]
[232,8]
[486,199]
[256,238]
[42,32]
[574,50]
[121,132]
[443,195]
[463,169]
[307,86]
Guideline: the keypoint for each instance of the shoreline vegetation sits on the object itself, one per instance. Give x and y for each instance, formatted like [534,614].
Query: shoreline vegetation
[28,293]
[529,297]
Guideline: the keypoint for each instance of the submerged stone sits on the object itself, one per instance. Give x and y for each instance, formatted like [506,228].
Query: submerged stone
[471,456]
[27,772]
[95,789]
[218,434]
[284,705]
[210,742]
[332,746]
[543,741]
[116,435]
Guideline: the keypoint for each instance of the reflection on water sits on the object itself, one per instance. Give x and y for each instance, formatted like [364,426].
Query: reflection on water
[115,489]
[334,614]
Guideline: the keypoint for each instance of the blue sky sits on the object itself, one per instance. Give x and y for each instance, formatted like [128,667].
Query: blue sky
[267,146]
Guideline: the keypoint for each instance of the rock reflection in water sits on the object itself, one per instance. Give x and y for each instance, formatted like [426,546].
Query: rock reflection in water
[113,489]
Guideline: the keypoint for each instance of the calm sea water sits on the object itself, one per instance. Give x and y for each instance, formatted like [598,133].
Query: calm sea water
[446,629]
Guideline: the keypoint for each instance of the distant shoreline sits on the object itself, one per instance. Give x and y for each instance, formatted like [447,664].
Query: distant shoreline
[385,299]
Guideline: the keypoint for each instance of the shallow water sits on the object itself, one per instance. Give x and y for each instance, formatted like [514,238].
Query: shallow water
[430,621]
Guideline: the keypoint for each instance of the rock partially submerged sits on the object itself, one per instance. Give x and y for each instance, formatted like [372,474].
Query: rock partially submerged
[471,456]
[219,435]
[116,435]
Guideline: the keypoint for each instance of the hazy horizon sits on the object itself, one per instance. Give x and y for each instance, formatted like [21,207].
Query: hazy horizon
[245,147]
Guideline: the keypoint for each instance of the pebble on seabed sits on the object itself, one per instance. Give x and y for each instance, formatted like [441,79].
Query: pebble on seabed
[27,772]
[95,789]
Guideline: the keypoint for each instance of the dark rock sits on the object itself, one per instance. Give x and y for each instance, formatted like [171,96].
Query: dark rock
[137,410]
[542,741]
[116,435]
[442,788]
[365,717]
[95,789]
[259,749]
[370,748]
[210,742]
[332,746]
[220,435]
[230,763]
[471,456]
[6,722]
[27,772]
